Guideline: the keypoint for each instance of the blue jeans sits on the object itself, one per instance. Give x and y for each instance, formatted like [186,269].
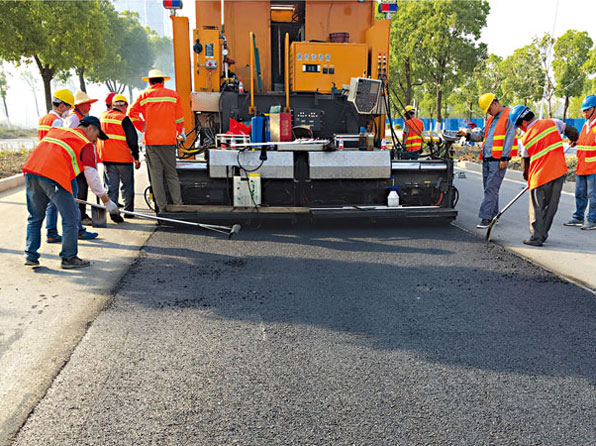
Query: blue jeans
[52,215]
[40,192]
[585,192]
[116,173]
[492,177]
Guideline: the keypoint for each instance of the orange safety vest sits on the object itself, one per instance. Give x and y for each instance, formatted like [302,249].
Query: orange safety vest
[586,150]
[162,115]
[58,156]
[115,149]
[499,136]
[547,157]
[45,124]
[415,129]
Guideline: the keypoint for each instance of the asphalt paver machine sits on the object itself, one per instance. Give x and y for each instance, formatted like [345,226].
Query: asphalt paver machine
[286,105]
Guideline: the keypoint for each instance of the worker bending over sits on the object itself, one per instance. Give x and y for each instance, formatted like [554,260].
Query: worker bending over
[499,144]
[49,172]
[413,133]
[544,167]
[119,154]
[585,179]
[158,112]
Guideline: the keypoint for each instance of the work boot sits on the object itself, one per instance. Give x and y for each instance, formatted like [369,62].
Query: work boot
[484,223]
[54,239]
[589,225]
[86,220]
[533,241]
[88,235]
[574,222]
[32,263]
[74,262]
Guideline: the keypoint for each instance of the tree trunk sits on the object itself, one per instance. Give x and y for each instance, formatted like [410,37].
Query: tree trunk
[130,94]
[565,107]
[6,111]
[47,74]
[439,104]
[470,110]
[81,73]
[408,75]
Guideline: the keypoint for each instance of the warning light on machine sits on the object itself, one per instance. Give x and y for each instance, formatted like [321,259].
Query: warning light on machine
[388,8]
[172,4]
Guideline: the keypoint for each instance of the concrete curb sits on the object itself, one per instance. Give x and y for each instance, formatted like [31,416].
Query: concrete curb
[516,175]
[12,182]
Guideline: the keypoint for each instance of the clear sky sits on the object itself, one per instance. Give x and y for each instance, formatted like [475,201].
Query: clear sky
[512,23]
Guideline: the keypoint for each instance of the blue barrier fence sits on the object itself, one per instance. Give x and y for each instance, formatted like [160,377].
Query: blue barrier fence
[456,123]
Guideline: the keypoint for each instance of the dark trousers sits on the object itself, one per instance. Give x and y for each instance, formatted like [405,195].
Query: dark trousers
[492,178]
[116,173]
[83,192]
[544,201]
[161,162]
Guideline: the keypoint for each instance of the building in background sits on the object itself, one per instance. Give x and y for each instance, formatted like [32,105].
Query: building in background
[151,14]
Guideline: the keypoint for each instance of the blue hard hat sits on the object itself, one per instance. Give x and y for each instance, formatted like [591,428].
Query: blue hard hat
[589,102]
[519,111]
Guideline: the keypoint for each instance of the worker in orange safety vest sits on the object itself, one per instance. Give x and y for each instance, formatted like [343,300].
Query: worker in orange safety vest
[499,144]
[119,153]
[585,178]
[158,113]
[412,133]
[49,173]
[544,166]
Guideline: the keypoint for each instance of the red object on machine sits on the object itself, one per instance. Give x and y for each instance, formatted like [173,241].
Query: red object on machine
[285,127]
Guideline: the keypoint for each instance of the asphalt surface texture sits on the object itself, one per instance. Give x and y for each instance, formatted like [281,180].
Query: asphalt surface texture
[335,334]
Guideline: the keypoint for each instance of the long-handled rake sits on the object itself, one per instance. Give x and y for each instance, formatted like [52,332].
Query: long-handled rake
[501,212]
[229,231]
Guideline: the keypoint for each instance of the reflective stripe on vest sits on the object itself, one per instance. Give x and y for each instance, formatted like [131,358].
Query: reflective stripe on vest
[115,149]
[586,150]
[45,124]
[499,135]
[545,148]
[158,99]
[57,156]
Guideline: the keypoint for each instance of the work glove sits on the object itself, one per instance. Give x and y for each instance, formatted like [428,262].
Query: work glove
[112,207]
[182,136]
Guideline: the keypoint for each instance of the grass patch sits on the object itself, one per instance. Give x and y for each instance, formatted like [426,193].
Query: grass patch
[11,162]
[16,132]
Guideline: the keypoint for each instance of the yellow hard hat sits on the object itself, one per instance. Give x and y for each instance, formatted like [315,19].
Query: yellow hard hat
[156,73]
[409,108]
[119,98]
[81,97]
[485,100]
[65,96]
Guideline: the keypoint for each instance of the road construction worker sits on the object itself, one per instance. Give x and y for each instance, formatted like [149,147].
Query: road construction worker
[81,109]
[158,112]
[119,153]
[413,129]
[62,102]
[585,179]
[499,144]
[49,173]
[544,166]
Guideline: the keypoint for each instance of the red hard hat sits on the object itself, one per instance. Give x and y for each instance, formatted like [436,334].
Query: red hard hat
[109,98]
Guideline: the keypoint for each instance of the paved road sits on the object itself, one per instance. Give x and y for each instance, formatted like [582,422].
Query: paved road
[330,335]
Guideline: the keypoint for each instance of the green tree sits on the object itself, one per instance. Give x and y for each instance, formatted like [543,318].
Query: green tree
[3,92]
[405,61]
[449,48]
[54,34]
[522,75]
[571,53]
[163,51]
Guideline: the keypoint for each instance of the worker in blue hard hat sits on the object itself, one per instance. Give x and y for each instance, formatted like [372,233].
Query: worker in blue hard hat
[585,179]
[544,166]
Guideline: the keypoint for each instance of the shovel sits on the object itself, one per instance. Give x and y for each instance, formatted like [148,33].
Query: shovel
[496,218]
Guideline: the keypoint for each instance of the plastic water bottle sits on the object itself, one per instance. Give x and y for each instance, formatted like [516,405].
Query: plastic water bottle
[340,143]
[383,144]
[393,198]
[240,87]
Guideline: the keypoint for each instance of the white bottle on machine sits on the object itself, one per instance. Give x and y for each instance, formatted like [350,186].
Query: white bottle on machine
[340,143]
[393,198]
[240,87]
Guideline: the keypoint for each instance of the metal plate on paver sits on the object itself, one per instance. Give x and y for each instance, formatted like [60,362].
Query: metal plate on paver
[278,165]
[350,165]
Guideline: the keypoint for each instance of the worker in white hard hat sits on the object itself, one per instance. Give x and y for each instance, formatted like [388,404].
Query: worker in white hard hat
[499,144]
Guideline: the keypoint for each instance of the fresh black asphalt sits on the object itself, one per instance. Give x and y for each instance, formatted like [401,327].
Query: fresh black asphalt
[336,334]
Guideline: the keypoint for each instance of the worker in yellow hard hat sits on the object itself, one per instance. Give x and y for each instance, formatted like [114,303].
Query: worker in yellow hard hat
[413,128]
[119,153]
[62,102]
[499,144]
